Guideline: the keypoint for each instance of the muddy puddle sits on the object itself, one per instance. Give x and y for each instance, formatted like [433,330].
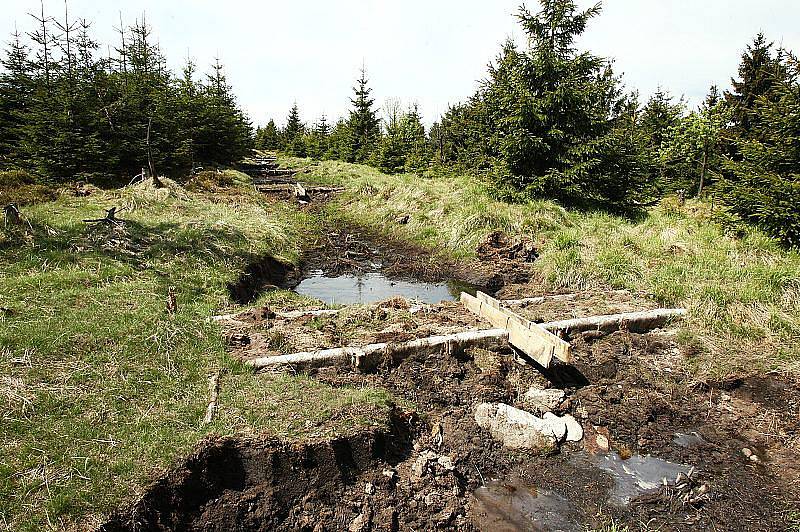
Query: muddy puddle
[372,287]
[512,505]
[636,475]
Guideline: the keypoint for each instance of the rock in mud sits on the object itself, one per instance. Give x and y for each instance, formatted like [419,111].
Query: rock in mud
[429,462]
[573,429]
[517,429]
[362,521]
[539,400]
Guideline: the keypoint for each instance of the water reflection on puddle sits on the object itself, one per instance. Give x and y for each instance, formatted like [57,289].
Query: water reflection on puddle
[688,439]
[512,505]
[372,287]
[637,475]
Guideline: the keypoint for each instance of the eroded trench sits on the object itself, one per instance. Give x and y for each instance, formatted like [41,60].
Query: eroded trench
[432,467]
[648,455]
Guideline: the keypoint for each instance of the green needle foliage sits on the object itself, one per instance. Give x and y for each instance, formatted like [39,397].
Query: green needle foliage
[67,111]
[554,122]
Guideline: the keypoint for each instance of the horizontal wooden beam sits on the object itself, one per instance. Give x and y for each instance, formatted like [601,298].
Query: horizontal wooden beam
[629,321]
[559,297]
[371,355]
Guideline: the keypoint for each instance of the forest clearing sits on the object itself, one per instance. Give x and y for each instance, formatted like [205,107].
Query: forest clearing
[555,308]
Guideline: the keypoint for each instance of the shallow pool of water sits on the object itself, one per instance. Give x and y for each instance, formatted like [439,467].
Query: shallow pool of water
[515,506]
[372,287]
[637,475]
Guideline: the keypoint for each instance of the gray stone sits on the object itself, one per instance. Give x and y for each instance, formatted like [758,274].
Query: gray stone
[427,463]
[517,429]
[539,400]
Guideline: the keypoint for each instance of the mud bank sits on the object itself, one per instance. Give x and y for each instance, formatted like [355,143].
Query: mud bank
[434,468]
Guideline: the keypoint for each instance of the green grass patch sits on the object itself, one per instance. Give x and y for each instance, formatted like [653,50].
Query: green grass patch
[100,386]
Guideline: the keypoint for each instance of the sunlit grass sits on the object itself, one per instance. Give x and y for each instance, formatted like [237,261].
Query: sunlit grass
[742,291]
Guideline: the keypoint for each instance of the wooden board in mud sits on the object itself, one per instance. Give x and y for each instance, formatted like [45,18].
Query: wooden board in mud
[527,336]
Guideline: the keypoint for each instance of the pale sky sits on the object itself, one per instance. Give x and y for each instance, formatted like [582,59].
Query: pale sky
[430,52]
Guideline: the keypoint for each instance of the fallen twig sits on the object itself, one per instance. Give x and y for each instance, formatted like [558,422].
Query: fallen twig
[172,302]
[110,218]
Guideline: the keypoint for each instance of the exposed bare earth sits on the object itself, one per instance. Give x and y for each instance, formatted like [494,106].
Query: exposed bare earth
[630,392]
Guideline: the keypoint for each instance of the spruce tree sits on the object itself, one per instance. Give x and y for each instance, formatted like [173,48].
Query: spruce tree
[363,124]
[317,139]
[760,71]
[69,113]
[228,132]
[293,142]
[268,137]
[763,186]
[16,90]
[323,129]
[555,121]
[339,145]
[659,116]
[188,103]
[403,147]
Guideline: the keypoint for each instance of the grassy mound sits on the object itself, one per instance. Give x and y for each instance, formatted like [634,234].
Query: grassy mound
[22,188]
[101,386]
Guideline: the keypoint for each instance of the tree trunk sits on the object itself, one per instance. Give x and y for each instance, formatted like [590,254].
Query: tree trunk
[156,181]
[703,169]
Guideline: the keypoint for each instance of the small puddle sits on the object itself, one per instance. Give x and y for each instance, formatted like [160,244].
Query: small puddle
[502,506]
[637,475]
[373,287]
[688,439]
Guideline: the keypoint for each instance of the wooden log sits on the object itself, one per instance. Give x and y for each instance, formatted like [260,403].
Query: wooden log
[266,181]
[558,297]
[300,193]
[632,321]
[292,188]
[527,336]
[369,356]
[292,314]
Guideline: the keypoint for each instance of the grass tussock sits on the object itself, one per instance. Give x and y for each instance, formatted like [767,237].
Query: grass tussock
[22,188]
[741,288]
[217,181]
[101,386]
